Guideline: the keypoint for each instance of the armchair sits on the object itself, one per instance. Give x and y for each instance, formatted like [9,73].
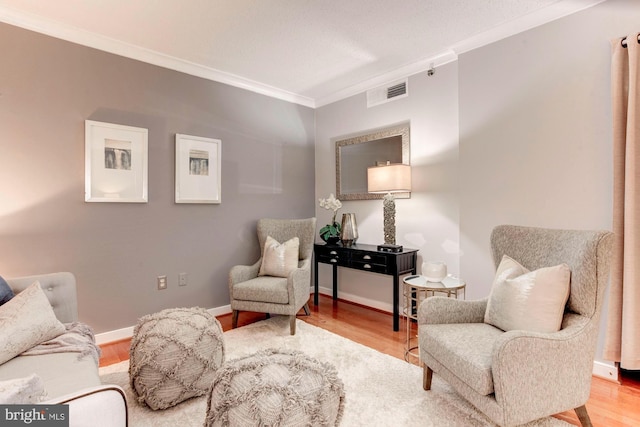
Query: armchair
[518,376]
[278,295]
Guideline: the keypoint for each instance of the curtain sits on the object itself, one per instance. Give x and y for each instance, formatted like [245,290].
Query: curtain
[622,343]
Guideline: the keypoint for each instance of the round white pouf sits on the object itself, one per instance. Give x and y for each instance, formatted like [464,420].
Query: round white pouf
[174,356]
[276,388]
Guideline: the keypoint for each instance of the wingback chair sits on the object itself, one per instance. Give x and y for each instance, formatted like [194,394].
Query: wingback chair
[517,376]
[278,295]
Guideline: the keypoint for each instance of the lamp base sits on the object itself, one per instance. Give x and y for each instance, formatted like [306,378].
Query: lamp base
[389,248]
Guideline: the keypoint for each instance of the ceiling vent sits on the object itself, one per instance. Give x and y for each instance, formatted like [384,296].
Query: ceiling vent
[388,92]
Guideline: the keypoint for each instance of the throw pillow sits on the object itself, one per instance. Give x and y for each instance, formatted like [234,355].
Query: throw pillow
[279,259]
[6,293]
[528,300]
[27,320]
[22,391]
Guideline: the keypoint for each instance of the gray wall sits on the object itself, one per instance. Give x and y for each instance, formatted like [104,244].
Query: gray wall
[523,128]
[535,131]
[48,88]
[429,220]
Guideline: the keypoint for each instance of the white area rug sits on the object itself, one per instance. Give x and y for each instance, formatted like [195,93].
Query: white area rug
[380,390]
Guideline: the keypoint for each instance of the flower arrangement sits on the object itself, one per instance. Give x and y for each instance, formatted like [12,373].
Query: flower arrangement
[330,233]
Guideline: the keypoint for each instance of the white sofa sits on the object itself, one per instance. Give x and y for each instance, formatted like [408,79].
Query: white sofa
[67,378]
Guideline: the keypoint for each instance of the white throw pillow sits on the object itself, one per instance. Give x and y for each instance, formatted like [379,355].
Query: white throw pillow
[21,391]
[279,259]
[528,300]
[25,321]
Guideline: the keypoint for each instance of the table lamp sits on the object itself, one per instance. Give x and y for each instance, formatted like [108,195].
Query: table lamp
[389,178]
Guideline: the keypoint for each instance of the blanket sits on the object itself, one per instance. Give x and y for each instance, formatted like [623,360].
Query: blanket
[78,338]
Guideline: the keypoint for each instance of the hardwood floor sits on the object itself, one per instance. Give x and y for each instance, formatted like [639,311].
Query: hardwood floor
[610,404]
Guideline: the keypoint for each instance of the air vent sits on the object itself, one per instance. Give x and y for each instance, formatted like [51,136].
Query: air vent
[386,93]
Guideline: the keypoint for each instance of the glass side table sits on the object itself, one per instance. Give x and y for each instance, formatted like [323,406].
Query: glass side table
[415,289]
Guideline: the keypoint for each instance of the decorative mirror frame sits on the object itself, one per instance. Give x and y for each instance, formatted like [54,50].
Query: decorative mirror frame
[402,130]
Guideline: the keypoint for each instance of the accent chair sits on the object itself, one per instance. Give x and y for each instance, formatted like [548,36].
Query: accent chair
[518,376]
[250,291]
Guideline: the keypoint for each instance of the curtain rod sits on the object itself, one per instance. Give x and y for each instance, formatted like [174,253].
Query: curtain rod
[624,41]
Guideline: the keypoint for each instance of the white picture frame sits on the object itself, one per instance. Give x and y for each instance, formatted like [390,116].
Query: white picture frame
[116,163]
[198,169]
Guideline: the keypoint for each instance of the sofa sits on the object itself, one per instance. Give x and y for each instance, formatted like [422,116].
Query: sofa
[67,377]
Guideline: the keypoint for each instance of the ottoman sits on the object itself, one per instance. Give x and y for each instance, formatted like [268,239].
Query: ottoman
[174,356]
[275,388]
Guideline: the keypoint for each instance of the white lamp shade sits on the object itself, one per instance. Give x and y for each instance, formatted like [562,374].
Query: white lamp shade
[393,178]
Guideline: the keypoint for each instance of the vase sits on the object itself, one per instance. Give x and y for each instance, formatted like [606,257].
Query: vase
[434,271]
[349,229]
[330,240]
[330,233]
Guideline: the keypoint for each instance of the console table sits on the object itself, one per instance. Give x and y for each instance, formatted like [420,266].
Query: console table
[366,258]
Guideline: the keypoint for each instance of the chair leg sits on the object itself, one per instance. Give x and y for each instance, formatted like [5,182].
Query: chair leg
[427,375]
[306,309]
[292,324]
[234,319]
[583,416]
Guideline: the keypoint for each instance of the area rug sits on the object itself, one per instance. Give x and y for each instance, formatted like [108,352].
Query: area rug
[381,390]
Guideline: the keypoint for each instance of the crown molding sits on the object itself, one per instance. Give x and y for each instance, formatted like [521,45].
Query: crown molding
[117,47]
[535,19]
[75,35]
[397,74]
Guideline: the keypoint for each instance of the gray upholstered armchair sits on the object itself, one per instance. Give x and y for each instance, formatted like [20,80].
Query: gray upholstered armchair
[278,295]
[515,377]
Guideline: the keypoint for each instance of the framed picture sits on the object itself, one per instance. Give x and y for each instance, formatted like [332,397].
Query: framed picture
[116,162]
[197,169]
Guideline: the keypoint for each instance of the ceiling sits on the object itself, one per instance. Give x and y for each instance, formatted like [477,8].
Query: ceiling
[312,52]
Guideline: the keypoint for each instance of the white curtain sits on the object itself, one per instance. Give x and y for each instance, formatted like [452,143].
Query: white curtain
[623,329]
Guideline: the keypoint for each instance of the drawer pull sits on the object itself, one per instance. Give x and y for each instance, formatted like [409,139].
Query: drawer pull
[366,257]
[333,253]
[367,266]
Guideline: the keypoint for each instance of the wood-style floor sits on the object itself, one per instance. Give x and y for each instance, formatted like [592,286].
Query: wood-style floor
[610,404]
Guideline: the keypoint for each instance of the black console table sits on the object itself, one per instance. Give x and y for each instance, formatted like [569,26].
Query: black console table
[366,258]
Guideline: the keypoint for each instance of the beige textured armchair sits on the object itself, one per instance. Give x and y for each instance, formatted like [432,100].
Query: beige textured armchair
[277,295]
[516,377]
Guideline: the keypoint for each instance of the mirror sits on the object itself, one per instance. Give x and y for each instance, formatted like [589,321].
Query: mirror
[355,154]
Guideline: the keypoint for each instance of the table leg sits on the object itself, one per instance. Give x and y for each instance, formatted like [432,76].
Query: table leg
[396,303]
[335,282]
[315,283]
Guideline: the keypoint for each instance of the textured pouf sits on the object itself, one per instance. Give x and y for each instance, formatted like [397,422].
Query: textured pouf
[275,388]
[174,356]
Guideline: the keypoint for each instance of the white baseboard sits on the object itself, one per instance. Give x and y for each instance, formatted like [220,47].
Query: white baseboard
[117,335]
[600,369]
[379,305]
[605,370]
[126,333]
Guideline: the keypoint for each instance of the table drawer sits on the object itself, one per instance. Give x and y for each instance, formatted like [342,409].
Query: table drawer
[330,255]
[368,266]
[369,257]
[330,259]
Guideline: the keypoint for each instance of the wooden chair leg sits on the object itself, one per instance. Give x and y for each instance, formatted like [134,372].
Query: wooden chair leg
[292,324]
[234,319]
[306,309]
[427,375]
[583,416]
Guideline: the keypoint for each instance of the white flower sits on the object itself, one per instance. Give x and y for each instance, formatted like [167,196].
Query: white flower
[330,203]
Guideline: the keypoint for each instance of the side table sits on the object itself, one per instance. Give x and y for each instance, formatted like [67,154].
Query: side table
[415,289]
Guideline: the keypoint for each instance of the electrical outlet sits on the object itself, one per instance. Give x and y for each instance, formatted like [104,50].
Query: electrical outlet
[162,282]
[183,279]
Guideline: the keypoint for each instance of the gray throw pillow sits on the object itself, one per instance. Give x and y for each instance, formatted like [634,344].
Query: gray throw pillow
[6,293]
